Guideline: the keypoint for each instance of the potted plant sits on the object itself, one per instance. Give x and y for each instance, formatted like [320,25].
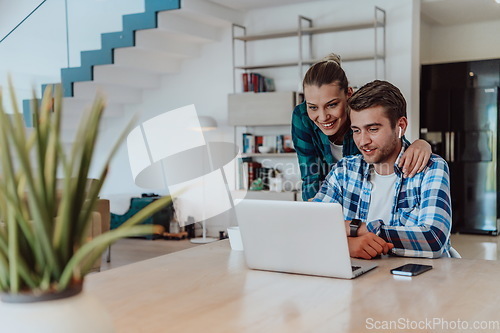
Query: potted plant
[44,250]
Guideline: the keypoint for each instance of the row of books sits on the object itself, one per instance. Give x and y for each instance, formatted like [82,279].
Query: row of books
[276,143]
[257,82]
[251,171]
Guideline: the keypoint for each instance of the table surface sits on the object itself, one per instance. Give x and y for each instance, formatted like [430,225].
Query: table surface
[209,288]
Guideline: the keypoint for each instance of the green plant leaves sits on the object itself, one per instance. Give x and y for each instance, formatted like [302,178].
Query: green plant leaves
[44,218]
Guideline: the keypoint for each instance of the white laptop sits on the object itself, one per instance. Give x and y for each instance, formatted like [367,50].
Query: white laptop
[297,237]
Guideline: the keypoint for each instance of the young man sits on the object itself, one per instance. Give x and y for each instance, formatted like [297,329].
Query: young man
[385,211]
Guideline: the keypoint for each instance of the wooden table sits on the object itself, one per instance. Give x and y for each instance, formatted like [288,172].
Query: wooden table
[209,289]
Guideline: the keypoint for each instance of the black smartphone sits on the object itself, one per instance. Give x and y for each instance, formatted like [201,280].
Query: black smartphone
[411,269]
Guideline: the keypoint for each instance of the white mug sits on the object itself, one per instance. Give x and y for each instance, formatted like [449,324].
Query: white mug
[235,238]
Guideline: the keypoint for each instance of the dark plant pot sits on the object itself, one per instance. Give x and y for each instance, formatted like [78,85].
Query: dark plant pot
[31,297]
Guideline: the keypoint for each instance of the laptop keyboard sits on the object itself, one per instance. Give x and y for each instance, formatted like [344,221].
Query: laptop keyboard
[355,268]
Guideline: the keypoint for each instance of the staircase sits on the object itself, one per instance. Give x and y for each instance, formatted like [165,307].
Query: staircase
[151,45]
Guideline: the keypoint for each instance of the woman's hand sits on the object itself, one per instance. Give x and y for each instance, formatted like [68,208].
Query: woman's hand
[415,158]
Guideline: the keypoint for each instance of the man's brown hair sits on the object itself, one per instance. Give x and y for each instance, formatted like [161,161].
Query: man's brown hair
[379,93]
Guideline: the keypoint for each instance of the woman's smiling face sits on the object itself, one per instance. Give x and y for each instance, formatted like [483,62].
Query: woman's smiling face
[326,107]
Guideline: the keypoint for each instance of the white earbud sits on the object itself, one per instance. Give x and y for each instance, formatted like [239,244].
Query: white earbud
[400,132]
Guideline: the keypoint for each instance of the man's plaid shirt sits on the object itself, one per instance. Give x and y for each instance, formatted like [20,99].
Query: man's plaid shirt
[421,215]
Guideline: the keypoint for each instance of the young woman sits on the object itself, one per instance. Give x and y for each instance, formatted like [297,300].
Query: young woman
[321,129]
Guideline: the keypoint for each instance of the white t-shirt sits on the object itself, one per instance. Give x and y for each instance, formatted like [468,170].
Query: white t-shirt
[382,196]
[336,151]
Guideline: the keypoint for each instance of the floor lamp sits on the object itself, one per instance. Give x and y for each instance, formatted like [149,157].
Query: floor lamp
[206,124]
[169,152]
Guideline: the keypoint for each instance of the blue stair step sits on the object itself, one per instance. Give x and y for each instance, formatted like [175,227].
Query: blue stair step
[112,40]
[161,5]
[72,75]
[96,57]
[27,114]
[109,42]
[133,22]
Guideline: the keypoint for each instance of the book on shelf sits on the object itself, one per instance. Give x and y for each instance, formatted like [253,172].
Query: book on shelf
[256,82]
[251,171]
[248,143]
[279,144]
[288,144]
[245,79]
[256,78]
[243,172]
[248,172]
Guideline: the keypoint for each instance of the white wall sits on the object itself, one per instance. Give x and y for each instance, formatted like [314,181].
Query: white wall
[456,43]
[35,52]
[413,99]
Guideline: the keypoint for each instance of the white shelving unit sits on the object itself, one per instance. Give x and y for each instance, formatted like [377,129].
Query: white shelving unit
[250,111]
[377,54]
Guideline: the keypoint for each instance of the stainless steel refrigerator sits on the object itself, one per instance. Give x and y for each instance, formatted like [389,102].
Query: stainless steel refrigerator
[462,126]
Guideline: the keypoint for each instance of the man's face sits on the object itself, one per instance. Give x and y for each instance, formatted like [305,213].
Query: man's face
[374,136]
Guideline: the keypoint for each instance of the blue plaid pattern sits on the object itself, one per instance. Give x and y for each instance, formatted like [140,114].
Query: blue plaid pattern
[421,215]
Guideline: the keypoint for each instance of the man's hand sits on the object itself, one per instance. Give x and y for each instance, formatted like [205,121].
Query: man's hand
[415,158]
[368,246]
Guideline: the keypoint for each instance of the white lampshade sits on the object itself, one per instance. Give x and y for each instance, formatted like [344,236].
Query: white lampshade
[158,138]
[165,152]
